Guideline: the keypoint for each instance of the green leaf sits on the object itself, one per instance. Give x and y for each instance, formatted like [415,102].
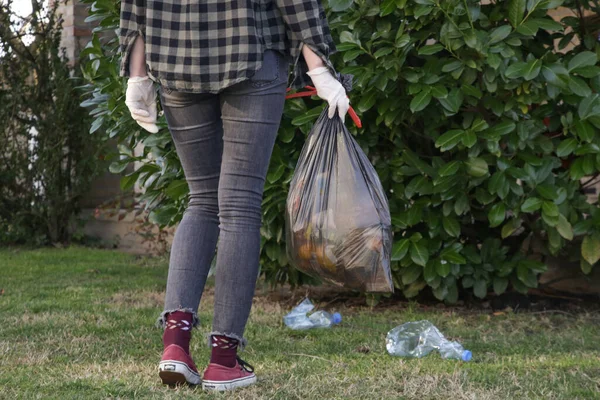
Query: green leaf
[477,167]
[419,253]
[286,134]
[440,292]
[451,226]
[127,182]
[500,285]
[420,101]
[516,70]
[579,87]
[548,24]
[347,37]
[400,249]
[421,11]
[531,204]
[590,249]
[566,147]
[550,209]
[352,54]
[162,216]
[548,192]
[309,116]
[480,288]
[585,131]
[500,33]
[341,5]
[497,182]
[411,274]
[501,129]
[439,91]
[453,101]
[589,148]
[591,71]
[384,51]
[549,4]
[510,227]
[419,184]
[452,256]
[367,101]
[497,214]
[532,69]
[516,10]
[586,267]
[442,268]
[472,91]
[564,228]
[589,107]
[449,169]
[452,66]
[528,28]
[177,188]
[553,77]
[462,205]
[449,139]
[387,7]
[117,167]
[96,124]
[525,275]
[469,139]
[430,49]
[429,272]
[276,174]
[583,59]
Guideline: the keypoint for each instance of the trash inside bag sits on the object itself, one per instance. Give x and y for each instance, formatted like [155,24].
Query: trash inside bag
[338,225]
[298,319]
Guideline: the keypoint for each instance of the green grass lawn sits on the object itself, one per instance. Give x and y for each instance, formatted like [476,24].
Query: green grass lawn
[78,323]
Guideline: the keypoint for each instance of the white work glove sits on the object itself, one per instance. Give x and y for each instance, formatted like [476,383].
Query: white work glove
[330,90]
[140,98]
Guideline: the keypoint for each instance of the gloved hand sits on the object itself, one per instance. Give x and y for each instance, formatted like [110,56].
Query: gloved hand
[330,90]
[140,98]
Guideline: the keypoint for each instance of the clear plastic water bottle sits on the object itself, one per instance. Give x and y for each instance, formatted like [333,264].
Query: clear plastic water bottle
[297,319]
[417,339]
[323,319]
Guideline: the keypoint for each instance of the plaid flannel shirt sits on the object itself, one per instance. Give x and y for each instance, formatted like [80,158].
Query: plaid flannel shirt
[208,45]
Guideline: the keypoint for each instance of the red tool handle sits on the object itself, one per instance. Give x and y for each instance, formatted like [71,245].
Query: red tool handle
[312,92]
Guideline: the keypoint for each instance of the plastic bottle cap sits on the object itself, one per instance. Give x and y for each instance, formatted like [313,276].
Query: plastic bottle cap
[337,318]
[467,355]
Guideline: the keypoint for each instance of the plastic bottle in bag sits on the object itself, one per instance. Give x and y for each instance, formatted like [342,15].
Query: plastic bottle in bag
[417,339]
[298,319]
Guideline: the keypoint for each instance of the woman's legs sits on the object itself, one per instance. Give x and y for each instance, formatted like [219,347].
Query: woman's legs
[251,112]
[195,125]
[224,143]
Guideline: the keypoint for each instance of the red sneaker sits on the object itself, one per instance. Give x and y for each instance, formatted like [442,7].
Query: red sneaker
[177,367]
[218,377]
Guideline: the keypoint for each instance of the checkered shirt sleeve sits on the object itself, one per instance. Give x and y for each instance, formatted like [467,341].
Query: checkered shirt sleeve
[132,23]
[306,25]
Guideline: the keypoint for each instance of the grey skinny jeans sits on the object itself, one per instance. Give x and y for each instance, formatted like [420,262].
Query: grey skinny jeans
[224,142]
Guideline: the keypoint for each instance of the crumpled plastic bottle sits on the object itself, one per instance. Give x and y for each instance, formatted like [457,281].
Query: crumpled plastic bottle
[417,339]
[298,319]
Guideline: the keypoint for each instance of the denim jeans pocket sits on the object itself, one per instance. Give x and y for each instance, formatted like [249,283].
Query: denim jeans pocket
[269,72]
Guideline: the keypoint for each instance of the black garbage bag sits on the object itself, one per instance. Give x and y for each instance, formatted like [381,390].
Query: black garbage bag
[338,225]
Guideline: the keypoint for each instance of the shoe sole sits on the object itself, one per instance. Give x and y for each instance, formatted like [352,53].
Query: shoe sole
[175,373]
[228,385]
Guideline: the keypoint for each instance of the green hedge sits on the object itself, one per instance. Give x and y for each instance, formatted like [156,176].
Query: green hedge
[481,121]
[48,160]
